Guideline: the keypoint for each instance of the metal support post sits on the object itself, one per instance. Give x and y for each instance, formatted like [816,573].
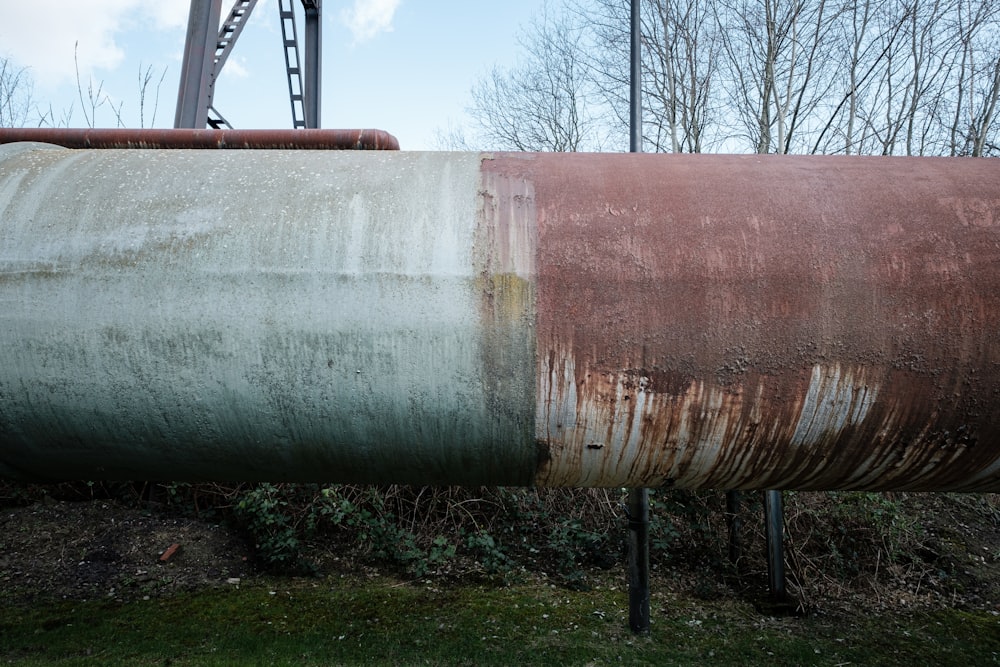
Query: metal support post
[196,68]
[638,499]
[638,560]
[313,83]
[635,81]
[774,531]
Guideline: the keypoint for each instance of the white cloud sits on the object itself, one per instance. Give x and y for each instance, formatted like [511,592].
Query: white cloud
[368,18]
[42,37]
[171,14]
[236,68]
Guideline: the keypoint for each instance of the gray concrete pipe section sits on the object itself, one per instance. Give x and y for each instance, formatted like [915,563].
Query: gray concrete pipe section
[253,315]
[457,318]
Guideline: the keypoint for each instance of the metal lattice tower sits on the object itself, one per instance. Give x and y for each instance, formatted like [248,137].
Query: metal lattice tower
[205,53]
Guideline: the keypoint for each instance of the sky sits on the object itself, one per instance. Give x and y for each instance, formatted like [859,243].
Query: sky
[404,66]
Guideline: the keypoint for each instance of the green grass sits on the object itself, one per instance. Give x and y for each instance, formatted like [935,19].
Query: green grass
[357,622]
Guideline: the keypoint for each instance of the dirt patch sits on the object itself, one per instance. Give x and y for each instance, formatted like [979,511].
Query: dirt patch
[894,551]
[99,549]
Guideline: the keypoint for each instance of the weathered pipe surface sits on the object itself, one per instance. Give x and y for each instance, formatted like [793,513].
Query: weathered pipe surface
[309,139]
[430,318]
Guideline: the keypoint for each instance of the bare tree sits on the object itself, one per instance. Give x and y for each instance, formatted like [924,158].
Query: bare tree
[683,46]
[145,79]
[977,86]
[927,70]
[15,94]
[680,49]
[884,77]
[541,104]
[778,69]
[452,137]
[981,137]
[864,41]
[96,98]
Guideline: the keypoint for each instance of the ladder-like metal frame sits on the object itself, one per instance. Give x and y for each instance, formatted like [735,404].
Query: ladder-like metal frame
[230,31]
[293,70]
[200,71]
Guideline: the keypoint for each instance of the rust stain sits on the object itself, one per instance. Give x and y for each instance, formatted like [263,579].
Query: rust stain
[766,322]
[974,211]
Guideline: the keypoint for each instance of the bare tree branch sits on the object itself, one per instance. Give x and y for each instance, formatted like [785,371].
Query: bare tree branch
[15,94]
[541,104]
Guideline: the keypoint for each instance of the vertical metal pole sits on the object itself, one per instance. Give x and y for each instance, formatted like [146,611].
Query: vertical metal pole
[638,560]
[313,85]
[734,524]
[638,499]
[635,81]
[774,532]
[196,68]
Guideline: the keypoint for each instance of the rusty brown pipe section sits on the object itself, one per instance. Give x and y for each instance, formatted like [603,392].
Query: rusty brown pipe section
[765,322]
[309,139]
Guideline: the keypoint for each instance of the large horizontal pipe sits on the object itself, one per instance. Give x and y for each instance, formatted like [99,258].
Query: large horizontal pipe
[551,319]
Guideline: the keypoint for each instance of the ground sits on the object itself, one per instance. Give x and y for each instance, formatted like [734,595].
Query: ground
[899,580]
[101,549]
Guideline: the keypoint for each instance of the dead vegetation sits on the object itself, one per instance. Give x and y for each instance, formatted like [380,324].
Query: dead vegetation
[843,550]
